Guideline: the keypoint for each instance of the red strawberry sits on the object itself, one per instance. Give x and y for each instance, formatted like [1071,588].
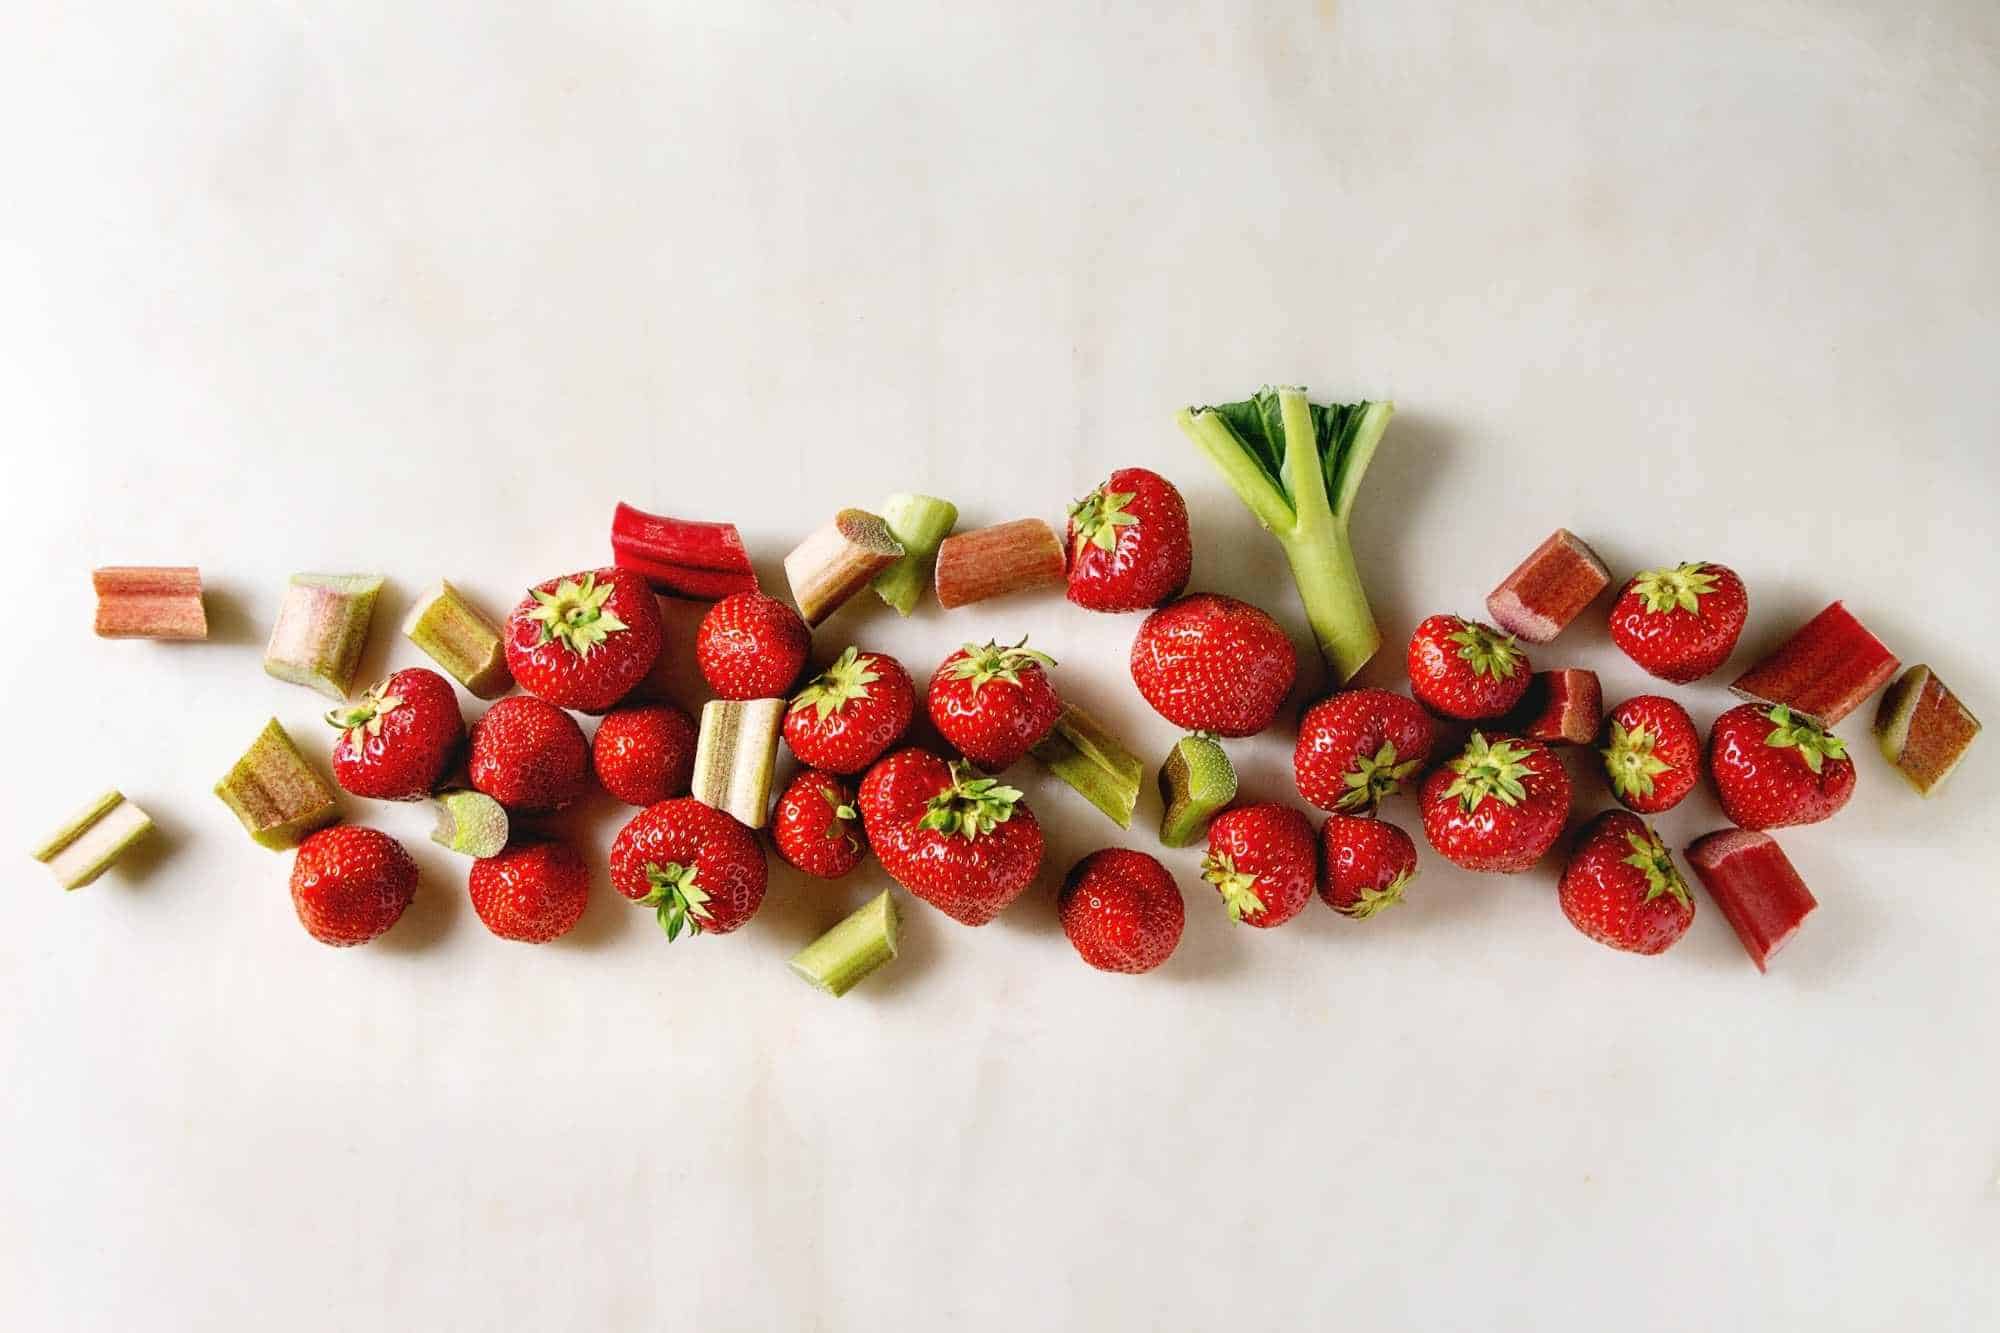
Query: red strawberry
[964,844]
[993,702]
[1498,806]
[644,753]
[1653,754]
[1264,860]
[585,640]
[816,827]
[1358,747]
[698,868]
[1122,911]
[1466,669]
[399,739]
[1209,663]
[1773,768]
[529,755]
[532,891]
[1129,547]
[1680,623]
[849,715]
[1365,864]
[349,884]
[751,646]
[1622,889]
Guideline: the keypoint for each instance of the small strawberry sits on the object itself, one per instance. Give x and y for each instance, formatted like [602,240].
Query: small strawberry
[1210,663]
[644,753]
[816,827]
[1365,864]
[1773,768]
[993,702]
[349,884]
[964,844]
[584,641]
[750,646]
[1498,806]
[1129,546]
[1465,669]
[1264,860]
[1622,889]
[849,715]
[1680,623]
[533,892]
[1358,747]
[397,741]
[529,755]
[698,868]
[1122,911]
[1653,754]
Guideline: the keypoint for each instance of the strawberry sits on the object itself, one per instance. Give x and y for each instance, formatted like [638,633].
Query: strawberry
[750,646]
[1773,768]
[816,827]
[644,753]
[1652,755]
[398,740]
[533,892]
[1682,622]
[993,702]
[1357,748]
[1621,886]
[849,715]
[1465,669]
[1497,806]
[349,884]
[1365,864]
[1211,663]
[698,868]
[1264,860]
[1122,911]
[584,641]
[964,844]
[1129,546]
[529,755]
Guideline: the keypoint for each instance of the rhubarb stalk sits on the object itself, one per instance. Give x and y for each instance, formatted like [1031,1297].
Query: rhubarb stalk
[920,523]
[1094,762]
[735,755]
[85,847]
[470,823]
[839,560]
[275,792]
[682,557]
[850,951]
[462,639]
[322,627]
[1196,782]
[993,562]
[137,602]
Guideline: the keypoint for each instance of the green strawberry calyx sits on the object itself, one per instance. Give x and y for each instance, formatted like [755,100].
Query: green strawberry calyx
[844,816]
[1650,855]
[1814,743]
[1487,770]
[833,689]
[1487,653]
[1239,891]
[678,899]
[1373,779]
[971,807]
[363,719]
[575,615]
[1682,587]
[1630,762]
[990,661]
[1099,515]
[1373,901]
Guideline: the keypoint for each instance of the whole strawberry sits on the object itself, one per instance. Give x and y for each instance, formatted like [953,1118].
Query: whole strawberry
[816,826]
[1652,754]
[1264,860]
[849,715]
[398,739]
[583,641]
[1680,623]
[993,702]
[1465,669]
[529,755]
[1622,889]
[700,870]
[964,844]
[1129,546]
[1358,747]
[1497,806]
[349,884]
[1122,911]
[1365,864]
[644,753]
[1773,768]
[750,646]
[1210,663]
[533,892]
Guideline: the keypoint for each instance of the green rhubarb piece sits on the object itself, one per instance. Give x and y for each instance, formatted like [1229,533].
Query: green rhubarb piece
[857,946]
[461,638]
[322,627]
[920,523]
[85,847]
[1196,783]
[735,755]
[471,823]
[276,793]
[1093,761]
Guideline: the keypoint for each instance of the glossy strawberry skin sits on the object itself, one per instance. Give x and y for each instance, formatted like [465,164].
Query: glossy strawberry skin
[968,879]
[1365,864]
[993,723]
[1122,911]
[1151,551]
[350,884]
[1606,897]
[809,830]
[644,753]
[1639,734]
[1444,680]
[1494,836]
[727,859]
[1276,848]
[529,755]
[1212,663]
[859,729]
[1341,740]
[403,752]
[532,892]
[1765,786]
[551,669]
[1677,644]
[750,646]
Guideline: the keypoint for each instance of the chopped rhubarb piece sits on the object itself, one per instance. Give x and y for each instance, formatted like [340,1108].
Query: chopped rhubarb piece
[1826,670]
[471,823]
[852,949]
[919,522]
[1560,708]
[735,755]
[86,846]
[1923,729]
[682,557]
[322,627]
[1754,884]
[139,602]
[460,638]
[1196,782]
[276,793]
[839,560]
[1548,589]
[995,561]
[1094,762]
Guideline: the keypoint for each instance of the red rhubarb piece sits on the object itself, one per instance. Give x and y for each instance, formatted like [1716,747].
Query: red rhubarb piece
[1754,884]
[1923,729]
[1560,708]
[682,557]
[1548,589]
[1824,671]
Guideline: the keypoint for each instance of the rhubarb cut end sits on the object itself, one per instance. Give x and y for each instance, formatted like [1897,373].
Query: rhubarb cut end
[1093,762]
[470,823]
[837,561]
[93,840]
[854,948]
[1923,730]
[275,792]
[920,523]
[1196,783]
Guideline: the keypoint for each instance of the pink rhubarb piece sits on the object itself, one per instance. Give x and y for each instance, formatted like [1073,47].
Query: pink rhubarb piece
[1561,707]
[1753,882]
[1825,671]
[1548,589]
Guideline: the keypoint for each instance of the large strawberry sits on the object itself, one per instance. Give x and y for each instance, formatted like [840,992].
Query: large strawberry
[1129,546]
[1264,861]
[583,641]
[644,753]
[993,702]
[1621,886]
[529,755]
[699,869]
[964,844]
[1680,623]
[1358,747]
[533,892]
[1497,806]
[815,825]
[849,715]
[1465,669]
[349,884]
[398,739]
[1773,768]
[1652,753]
[1122,911]
[1365,864]
[750,646]
[1210,663]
